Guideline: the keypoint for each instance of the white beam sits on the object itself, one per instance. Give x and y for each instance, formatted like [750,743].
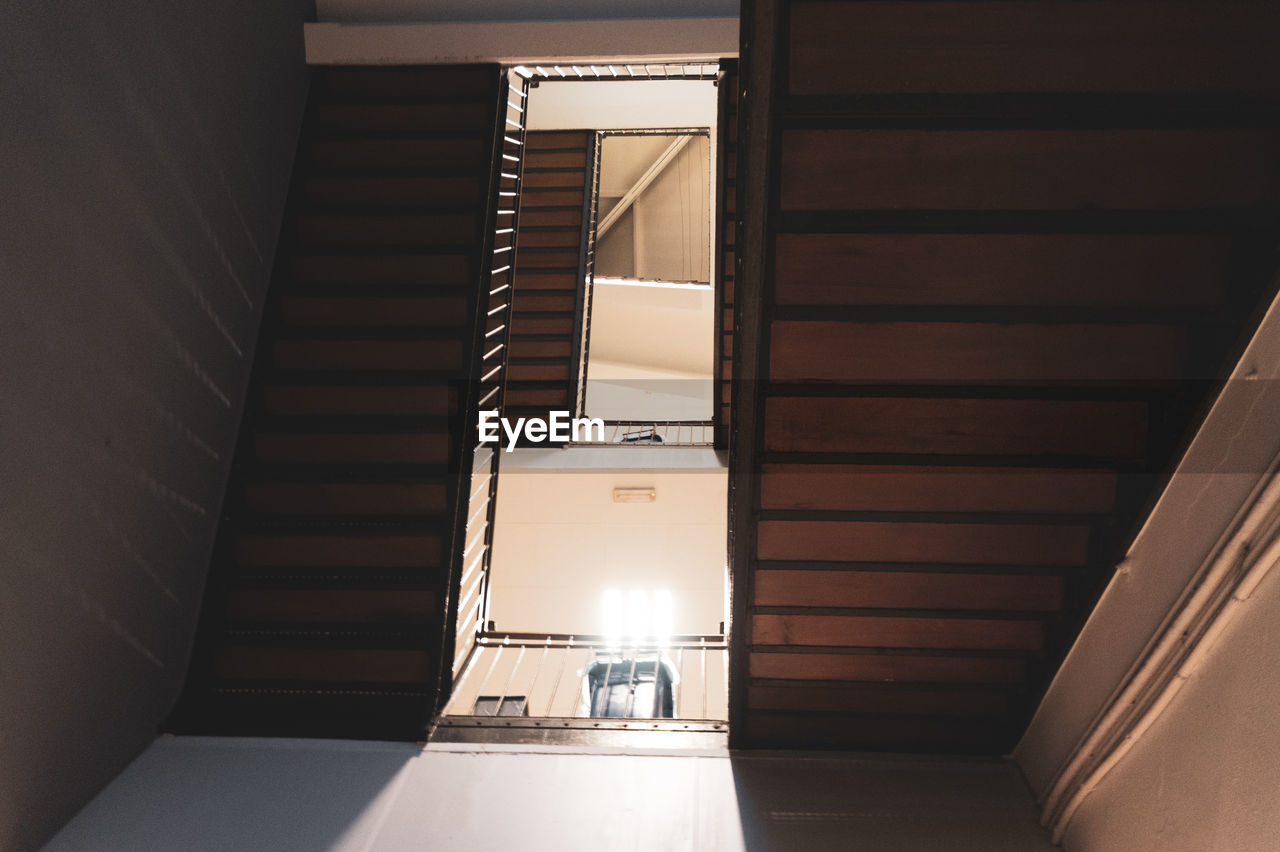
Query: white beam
[524,42]
[651,174]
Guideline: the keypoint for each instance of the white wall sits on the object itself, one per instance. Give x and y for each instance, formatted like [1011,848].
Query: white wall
[1206,776]
[651,352]
[614,105]
[145,151]
[673,231]
[210,795]
[560,541]
[618,390]
[1223,465]
[665,233]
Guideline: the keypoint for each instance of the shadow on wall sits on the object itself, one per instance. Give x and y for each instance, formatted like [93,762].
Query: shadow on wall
[144,154]
[198,793]
[888,803]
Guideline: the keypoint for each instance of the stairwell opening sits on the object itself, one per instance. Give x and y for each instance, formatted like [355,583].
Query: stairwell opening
[591,600]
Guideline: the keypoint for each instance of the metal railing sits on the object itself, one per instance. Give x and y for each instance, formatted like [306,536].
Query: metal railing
[678,70]
[563,676]
[654,433]
[481,497]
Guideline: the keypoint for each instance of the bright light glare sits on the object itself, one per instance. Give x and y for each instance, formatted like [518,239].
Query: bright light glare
[663,616]
[637,614]
[613,615]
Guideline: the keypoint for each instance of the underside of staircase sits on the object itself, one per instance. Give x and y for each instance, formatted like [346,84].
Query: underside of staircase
[324,612]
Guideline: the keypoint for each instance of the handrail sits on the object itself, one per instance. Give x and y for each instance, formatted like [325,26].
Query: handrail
[564,676]
[599,640]
[650,433]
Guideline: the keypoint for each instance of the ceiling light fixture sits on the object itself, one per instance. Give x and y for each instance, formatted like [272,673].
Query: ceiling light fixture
[635,495]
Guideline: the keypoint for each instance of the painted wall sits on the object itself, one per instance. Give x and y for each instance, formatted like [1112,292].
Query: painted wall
[1232,451]
[672,219]
[248,795]
[664,233]
[394,11]
[662,39]
[616,105]
[1205,776]
[560,541]
[144,153]
[650,352]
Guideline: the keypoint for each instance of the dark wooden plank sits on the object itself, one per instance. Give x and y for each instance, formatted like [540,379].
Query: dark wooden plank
[352,448]
[573,179]
[535,198]
[361,83]
[539,159]
[534,217]
[902,488]
[899,700]
[1002,269]
[393,311]
[907,590]
[435,190]
[537,399]
[331,605]
[1029,170]
[397,230]
[322,664]
[528,301]
[423,154]
[354,400]
[992,46]
[558,238]
[403,118]
[941,734]
[521,349]
[542,140]
[545,259]
[517,372]
[438,355]
[1094,429]
[536,324]
[921,668]
[935,353]
[532,279]
[896,632]
[885,541]
[368,551]
[345,498]
[407,270]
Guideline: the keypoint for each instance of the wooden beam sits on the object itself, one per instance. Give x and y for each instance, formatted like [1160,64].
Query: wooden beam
[761,20]
[637,189]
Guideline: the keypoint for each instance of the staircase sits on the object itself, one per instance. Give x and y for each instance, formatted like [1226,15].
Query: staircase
[554,217]
[324,614]
[995,259]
